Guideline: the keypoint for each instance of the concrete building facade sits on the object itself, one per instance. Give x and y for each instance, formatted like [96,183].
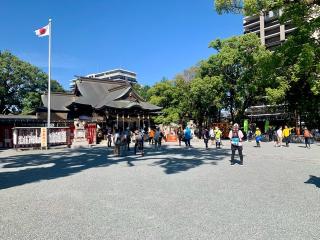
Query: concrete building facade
[268,28]
[115,74]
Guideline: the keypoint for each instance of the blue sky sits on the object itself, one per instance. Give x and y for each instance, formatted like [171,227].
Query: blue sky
[155,39]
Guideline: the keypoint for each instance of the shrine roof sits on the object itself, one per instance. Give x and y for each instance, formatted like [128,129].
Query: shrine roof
[99,94]
[59,101]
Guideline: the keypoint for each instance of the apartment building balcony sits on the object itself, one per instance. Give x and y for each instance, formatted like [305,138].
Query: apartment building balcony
[272,33]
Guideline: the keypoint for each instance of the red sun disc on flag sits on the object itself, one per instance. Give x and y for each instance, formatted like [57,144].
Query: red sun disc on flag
[42,31]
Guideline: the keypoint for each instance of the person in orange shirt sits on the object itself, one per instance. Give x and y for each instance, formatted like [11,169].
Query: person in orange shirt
[307,135]
[151,136]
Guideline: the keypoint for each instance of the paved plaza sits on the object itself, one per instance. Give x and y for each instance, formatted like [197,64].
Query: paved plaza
[174,193]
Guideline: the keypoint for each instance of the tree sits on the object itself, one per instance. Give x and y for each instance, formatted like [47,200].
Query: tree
[206,94]
[174,97]
[294,72]
[162,93]
[236,69]
[21,84]
[142,90]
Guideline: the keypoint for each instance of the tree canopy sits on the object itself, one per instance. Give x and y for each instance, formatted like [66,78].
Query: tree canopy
[231,79]
[21,84]
[237,71]
[293,73]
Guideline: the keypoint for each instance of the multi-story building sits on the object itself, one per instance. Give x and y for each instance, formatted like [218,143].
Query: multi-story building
[268,28]
[116,74]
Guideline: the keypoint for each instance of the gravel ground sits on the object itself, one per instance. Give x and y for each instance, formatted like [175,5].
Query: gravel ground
[174,193]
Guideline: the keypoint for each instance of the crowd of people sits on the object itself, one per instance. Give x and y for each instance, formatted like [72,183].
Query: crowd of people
[122,139]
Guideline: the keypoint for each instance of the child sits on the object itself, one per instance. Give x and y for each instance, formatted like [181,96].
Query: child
[258,136]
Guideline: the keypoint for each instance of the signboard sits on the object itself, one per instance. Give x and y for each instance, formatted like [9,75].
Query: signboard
[43,137]
[266,126]
[246,126]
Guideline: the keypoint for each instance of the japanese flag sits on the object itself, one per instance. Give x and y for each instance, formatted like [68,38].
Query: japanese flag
[44,31]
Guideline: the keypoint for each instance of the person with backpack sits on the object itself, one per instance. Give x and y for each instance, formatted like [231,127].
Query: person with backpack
[236,137]
[206,137]
[307,135]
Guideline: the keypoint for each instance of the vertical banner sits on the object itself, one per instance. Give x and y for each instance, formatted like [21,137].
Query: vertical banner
[266,126]
[44,137]
[246,126]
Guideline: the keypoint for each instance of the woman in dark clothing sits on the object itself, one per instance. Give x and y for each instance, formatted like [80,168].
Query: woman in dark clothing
[206,137]
[180,135]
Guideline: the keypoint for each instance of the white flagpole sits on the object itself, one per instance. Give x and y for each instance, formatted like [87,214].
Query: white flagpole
[49,77]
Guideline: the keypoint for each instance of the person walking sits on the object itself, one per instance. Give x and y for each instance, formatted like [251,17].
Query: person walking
[151,136]
[128,135]
[157,139]
[275,137]
[258,137]
[206,137]
[217,137]
[307,135]
[279,136]
[138,144]
[161,137]
[109,137]
[180,135]
[211,134]
[236,137]
[187,136]
[270,133]
[286,135]
[117,142]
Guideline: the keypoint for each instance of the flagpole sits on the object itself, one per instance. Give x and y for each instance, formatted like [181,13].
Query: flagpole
[49,77]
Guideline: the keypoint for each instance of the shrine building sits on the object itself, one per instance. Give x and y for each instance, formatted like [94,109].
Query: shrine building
[108,102]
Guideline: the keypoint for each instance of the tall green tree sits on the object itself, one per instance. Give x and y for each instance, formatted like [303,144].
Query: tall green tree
[206,94]
[294,70]
[21,84]
[236,69]
[174,97]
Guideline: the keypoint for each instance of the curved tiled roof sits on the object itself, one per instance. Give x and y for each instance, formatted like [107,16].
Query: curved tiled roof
[99,94]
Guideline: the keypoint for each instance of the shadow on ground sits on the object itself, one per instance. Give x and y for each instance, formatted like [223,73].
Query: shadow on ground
[184,159]
[314,180]
[46,166]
